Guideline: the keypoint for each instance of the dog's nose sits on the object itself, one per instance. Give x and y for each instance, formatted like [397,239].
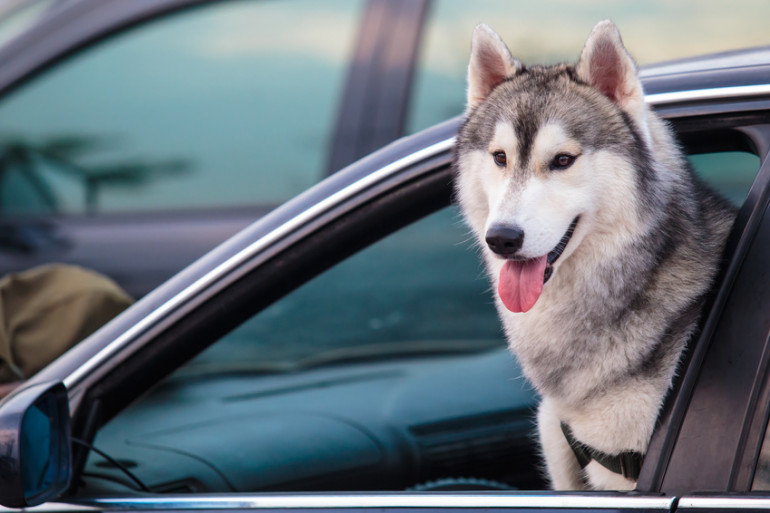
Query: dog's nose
[505,240]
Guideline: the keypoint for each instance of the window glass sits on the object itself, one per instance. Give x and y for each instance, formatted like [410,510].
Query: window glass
[228,104]
[551,31]
[392,357]
[730,172]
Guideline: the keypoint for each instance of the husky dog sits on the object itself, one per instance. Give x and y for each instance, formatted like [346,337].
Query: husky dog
[599,239]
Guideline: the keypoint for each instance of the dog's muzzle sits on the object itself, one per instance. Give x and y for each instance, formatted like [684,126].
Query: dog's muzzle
[521,280]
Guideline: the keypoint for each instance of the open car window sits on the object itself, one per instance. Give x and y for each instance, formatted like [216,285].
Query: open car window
[393,355]
[387,372]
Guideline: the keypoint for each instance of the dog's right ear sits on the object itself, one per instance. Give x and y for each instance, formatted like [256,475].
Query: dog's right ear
[491,63]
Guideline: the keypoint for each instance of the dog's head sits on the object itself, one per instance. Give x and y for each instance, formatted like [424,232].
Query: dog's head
[549,156]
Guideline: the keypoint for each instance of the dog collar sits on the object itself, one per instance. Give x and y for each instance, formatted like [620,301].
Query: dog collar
[627,463]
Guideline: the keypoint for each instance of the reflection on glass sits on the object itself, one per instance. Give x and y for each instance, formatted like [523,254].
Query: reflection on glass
[44,447]
[29,173]
[243,93]
[731,172]
[36,469]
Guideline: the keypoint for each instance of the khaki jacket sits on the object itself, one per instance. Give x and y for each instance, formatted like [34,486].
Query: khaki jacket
[46,310]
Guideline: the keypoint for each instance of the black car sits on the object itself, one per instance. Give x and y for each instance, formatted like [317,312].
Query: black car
[137,135]
[342,352]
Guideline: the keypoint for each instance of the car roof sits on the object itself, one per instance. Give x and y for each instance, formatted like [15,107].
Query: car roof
[741,58]
[737,68]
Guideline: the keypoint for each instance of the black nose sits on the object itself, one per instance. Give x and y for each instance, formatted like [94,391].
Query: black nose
[505,240]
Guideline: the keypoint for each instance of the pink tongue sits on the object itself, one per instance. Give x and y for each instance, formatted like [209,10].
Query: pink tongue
[521,283]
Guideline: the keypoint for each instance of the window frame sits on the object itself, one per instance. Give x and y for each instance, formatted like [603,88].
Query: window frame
[182,329]
[329,242]
[691,413]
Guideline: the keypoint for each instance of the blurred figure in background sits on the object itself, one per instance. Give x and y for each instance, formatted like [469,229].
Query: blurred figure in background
[45,311]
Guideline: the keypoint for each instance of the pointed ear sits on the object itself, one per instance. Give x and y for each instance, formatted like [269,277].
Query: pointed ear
[606,65]
[490,64]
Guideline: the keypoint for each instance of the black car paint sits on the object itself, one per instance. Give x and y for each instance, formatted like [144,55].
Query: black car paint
[727,373]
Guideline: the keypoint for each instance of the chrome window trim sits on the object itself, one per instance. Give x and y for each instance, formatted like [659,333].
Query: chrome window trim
[417,500]
[724,503]
[251,250]
[716,93]
[60,507]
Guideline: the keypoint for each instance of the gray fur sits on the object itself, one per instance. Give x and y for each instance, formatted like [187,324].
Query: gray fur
[605,330]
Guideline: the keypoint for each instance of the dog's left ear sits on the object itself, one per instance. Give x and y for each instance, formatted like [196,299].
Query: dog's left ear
[606,64]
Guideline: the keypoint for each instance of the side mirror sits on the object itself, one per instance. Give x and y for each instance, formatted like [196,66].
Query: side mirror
[35,452]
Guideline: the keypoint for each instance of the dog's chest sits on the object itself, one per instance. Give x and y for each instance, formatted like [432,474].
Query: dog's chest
[563,345]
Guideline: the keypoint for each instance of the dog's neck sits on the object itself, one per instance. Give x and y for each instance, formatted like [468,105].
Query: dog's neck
[626,463]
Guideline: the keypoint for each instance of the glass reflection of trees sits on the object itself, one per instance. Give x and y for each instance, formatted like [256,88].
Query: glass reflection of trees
[66,154]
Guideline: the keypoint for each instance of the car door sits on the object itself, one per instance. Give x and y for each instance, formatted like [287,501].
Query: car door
[391,406]
[382,205]
[715,447]
[713,440]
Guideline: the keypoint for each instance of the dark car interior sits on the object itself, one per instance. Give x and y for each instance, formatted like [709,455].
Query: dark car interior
[336,388]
